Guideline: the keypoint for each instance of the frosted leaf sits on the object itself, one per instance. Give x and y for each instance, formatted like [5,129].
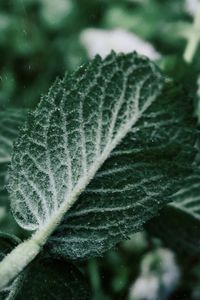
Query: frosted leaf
[101,136]
[163,146]
[98,41]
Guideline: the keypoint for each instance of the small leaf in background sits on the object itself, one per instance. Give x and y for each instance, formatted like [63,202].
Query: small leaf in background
[10,121]
[50,280]
[7,243]
[43,279]
[179,222]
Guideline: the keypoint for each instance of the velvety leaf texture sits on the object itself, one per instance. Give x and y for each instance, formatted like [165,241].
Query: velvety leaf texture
[151,163]
[104,141]
[179,222]
[50,280]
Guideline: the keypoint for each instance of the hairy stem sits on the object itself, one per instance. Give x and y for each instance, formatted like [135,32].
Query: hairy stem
[194,38]
[24,253]
[17,260]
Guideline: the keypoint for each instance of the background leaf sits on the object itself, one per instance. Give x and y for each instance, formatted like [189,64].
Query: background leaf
[178,224]
[10,121]
[7,243]
[3,191]
[43,279]
[50,280]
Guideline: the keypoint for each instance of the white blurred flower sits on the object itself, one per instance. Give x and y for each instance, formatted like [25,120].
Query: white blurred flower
[54,12]
[145,288]
[158,278]
[101,42]
[191,6]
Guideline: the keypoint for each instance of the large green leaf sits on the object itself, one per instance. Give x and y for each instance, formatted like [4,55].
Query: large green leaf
[94,224]
[101,136]
[178,224]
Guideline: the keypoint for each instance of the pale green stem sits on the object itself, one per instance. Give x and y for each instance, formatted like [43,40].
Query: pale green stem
[194,38]
[14,263]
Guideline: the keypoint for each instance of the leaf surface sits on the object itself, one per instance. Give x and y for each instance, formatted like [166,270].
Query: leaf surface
[104,137]
[95,223]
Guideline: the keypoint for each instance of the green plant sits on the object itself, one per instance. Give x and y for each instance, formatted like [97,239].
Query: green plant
[112,149]
[103,151]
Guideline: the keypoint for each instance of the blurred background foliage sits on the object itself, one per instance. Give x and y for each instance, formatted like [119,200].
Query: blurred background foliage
[43,39]
[40,39]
